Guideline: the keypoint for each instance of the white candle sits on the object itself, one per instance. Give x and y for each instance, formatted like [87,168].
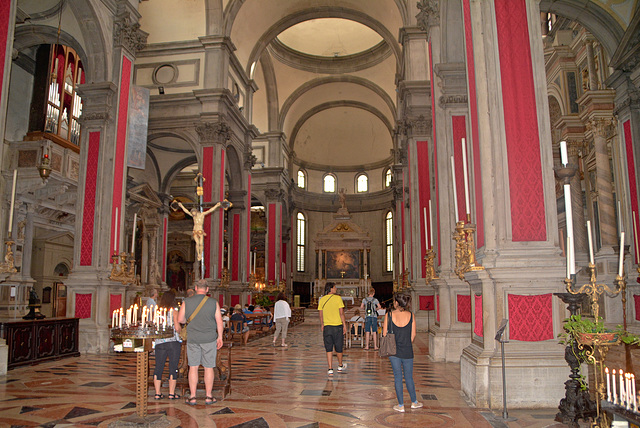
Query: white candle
[620,226]
[563,153]
[113,318]
[621,254]
[430,224]
[426,236]
[569,221]
[615,396]
[568,257]
[115,234]
[171,317]
[606,371]
[466,178]
[627,388]
[13,200]
[455,191]
[622,391]
[633,389]
[590,242]
[133,233]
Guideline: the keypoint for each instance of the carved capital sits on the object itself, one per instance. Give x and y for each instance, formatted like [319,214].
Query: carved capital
[249,158]
[274,195]
[128,35]
[600,127]
[429,15]
[420,125]
[218,132]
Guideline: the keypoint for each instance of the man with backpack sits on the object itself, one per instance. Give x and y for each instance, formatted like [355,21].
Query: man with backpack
[370,305]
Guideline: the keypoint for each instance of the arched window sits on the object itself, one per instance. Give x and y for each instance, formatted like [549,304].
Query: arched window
[302,179]
[362,183]
[387,178]
[301,227]
[329,183]
[388,223]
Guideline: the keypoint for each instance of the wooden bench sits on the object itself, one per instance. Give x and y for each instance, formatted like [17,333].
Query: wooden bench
[222,372]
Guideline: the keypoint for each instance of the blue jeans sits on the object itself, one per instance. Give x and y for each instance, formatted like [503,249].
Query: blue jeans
[399,365]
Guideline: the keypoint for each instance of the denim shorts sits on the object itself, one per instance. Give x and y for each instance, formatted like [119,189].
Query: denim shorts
[371,324]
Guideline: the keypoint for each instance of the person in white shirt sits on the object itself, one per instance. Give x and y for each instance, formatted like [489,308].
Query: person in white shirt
[281,314]
[356,318]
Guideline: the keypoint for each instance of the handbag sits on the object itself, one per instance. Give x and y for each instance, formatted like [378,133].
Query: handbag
[388,342]
[183,332]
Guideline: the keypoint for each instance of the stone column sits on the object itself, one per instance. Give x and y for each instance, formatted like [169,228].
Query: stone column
[591,66]
[274,235]
[599,129]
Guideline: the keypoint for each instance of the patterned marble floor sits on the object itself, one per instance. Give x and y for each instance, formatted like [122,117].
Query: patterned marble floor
[271,387]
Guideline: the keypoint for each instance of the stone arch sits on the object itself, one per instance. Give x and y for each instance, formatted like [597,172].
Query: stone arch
[234,169]
[598,21]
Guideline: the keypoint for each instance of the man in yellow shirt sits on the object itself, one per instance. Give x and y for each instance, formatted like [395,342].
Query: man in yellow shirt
[332,324]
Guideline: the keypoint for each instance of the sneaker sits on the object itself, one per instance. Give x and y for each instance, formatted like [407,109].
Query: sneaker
[399,408]
[342,367]
[416,405]
[330,371]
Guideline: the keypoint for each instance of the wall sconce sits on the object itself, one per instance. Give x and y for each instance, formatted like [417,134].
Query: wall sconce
[44,169]
[161,90]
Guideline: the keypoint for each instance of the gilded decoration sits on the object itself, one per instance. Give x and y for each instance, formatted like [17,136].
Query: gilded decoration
[128,35]
[342,227]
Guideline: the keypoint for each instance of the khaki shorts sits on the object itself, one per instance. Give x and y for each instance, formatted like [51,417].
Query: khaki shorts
[202,354]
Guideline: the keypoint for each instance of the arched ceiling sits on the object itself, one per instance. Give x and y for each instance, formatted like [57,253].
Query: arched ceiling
[329,79]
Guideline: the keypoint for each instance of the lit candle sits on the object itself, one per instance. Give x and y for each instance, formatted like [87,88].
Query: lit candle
[606,371]
[133,234]
[627,388]
[622,391]
[466,178]
[563,153]
[621,255]
[430,225]
[113,319]
[590,242]
[615,396]
[455,191]
[13,200]
[115,234]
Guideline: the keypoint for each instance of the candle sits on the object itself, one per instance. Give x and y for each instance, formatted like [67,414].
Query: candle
[633,389]
[635,235]
[133,233]
[622,390]
[568,257]
[620,225]
[466,178]
[621,255]
[563,153]
[627,388]
[13,200]
[590,242]
[426,237]
[615,396]
[115,234]
[404,253]
[113,319]
[171,317]
[455,191]
[569,221]
[430,225]
[606,371]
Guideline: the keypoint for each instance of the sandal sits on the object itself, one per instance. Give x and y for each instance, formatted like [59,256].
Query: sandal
[209,400]
[158,397]
[173,396]
[191,401]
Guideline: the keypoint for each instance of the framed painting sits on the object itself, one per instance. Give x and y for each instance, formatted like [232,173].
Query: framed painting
[343,264]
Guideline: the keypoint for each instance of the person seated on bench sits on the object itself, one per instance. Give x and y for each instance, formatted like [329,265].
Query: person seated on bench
[239,316]
[356,318]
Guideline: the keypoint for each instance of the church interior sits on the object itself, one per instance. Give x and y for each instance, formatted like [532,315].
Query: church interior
[476,154]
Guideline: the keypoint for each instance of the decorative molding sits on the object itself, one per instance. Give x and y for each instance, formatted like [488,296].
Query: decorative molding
[249,158]
[420,125]
[95,116]
[429,15]
[218,132]
[274,195]
[600,127]
[129,35]
[447,100]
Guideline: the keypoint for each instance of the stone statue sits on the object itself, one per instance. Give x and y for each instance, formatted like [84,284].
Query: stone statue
[198,223]
[342,194]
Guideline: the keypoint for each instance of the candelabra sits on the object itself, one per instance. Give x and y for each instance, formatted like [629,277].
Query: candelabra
[595,290]
[465,249]
[120,271]
[7,266]
[429,263]
[224,280]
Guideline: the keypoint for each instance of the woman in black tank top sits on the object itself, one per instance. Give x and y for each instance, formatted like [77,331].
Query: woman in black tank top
[401,323]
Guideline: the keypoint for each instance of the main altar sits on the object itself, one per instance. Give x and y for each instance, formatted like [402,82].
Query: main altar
[343,254]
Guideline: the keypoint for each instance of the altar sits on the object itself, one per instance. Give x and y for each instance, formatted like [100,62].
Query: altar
[343,253]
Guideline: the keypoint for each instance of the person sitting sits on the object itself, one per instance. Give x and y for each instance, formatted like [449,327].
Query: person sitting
[246,309]
[356,318]
[239,316]
[258,309]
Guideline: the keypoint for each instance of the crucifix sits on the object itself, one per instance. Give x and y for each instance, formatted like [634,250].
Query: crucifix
[342,274]
[198,214]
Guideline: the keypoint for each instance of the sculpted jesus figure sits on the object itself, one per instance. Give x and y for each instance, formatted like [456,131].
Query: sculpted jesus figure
[198,223]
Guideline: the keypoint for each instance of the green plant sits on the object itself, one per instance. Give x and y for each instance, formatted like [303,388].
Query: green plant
[263,300]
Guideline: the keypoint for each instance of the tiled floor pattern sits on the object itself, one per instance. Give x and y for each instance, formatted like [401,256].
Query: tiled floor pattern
[271,387]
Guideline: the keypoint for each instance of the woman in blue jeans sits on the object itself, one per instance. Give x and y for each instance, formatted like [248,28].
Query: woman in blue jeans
[404,328]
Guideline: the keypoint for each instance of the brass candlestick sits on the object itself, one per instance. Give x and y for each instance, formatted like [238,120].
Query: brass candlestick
[120,271]
[465,249]
[7,266]
[224,280]
[429,263]
[594,290]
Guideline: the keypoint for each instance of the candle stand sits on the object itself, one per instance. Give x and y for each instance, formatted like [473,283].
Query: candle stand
[465,249]
[7,266]
[429,263]
[120,271]
[224,279]
[576,403]
[139,339]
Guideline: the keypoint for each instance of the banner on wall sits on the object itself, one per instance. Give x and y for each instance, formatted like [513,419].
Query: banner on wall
[138,124]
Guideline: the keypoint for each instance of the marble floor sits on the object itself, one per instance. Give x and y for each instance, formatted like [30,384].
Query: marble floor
[271,387]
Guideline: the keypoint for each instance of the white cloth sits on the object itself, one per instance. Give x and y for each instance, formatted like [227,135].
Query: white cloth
[281,310]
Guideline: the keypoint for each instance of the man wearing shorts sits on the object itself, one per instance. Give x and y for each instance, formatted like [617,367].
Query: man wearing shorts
[204,338]
[370,305]
[332,324]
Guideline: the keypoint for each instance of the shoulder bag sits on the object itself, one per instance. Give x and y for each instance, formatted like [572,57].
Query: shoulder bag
[388,342]
[183,332]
